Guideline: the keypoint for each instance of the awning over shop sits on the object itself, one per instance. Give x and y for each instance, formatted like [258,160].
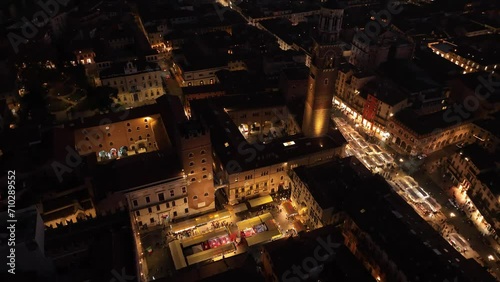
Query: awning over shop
[289,209]
[240,208]
[177,255]
[203,237]
[209,254]
[435,207]
[265,236]
[414,195]
[298,226]
[260,201]
[191,223]
[251,222]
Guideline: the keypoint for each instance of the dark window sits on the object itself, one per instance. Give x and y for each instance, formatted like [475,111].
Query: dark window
[152,220]
[135,203]
[147,199]
[137,213]
[158,207]
[173,203]
[185,200]
[150,210]
[186,210]
[175,213]
[161,197]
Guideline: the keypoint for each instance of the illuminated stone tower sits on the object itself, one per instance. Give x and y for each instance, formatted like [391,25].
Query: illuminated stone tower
[323,72]
[196,153]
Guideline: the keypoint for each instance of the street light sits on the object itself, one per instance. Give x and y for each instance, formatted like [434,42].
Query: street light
[452,214]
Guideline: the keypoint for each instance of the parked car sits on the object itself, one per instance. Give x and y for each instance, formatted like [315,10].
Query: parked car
[422,156]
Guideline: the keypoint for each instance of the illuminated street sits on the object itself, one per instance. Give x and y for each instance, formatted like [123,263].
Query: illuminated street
[432,205]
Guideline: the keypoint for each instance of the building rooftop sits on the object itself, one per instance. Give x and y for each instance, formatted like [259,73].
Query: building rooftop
[408,76]
[481,158]
[194,58]
[80,196]
[491,179]
[490,124]
[330,182]
[200,89]
[228,142]
[344,266]
[192,128]
[105,242]
[482,49]
[409,241]
[440,69]
[296,73]
[136,171]
[424,124]
[383,91]
[113,117]
[119,69]
[239,82]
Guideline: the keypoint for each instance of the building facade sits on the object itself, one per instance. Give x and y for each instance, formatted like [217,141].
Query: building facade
[474,171]
[159,203]
[412,142]
[369,54]
[119,139]
[137,82]
[467,61]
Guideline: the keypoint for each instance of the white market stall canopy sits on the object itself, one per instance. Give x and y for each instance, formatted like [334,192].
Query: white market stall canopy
[260,201]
